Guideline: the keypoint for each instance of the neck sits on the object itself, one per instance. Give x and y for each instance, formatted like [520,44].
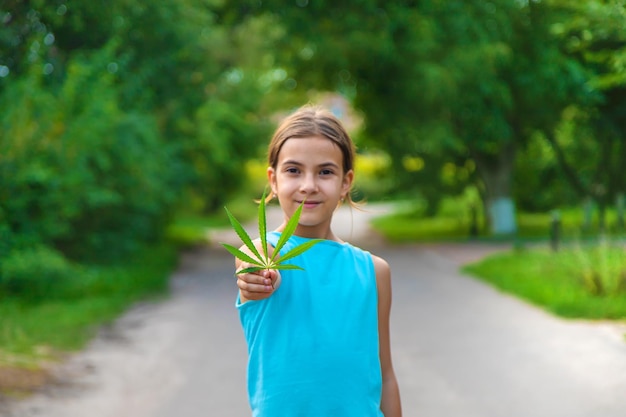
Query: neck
[312,232]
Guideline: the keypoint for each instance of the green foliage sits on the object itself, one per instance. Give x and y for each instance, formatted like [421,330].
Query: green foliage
[373,180]
[72,164]
[601,267]
[589,145]
[105,134]
[538,185]
[191,230]
[454,82]
[556,281]
[228,132]
[264,261]
[116,115]
[36,274]
[33,274]
[411,223]
[67,317]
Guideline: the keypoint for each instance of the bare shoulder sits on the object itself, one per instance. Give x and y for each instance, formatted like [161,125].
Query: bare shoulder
[382,269]
[381,266]
[383,286]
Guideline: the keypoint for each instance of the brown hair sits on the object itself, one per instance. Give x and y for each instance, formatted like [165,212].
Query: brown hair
[308,121]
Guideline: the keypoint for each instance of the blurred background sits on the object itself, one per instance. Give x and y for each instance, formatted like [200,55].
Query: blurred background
[126,126]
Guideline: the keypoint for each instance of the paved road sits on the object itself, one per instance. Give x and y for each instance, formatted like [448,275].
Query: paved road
[460,348]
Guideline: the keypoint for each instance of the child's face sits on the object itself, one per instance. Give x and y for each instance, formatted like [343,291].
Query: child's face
[310,169]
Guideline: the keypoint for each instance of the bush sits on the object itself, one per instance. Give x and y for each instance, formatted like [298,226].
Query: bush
[77,172]
[601,267]
[34,273]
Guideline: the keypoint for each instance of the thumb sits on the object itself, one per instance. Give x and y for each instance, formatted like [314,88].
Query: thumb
[269,273]
[273,275]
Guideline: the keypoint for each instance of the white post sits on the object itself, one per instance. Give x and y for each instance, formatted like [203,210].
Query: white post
[502,211]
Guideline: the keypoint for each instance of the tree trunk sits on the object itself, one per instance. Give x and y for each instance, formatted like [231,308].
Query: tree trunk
[484,204]
[496,172]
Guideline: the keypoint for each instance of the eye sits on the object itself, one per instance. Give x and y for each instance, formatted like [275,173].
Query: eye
[326,172]
[292,170]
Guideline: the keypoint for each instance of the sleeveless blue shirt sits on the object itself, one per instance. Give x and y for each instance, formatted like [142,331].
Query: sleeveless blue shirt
[313,344]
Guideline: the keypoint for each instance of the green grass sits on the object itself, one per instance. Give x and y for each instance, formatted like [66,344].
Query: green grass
[34,331]
[409,224]
[190,229]
[557,282]
[404,227]
[565,282]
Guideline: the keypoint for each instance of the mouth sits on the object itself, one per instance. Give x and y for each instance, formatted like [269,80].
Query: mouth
[309,204]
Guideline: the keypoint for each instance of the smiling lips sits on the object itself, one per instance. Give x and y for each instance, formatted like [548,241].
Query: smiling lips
[310,204]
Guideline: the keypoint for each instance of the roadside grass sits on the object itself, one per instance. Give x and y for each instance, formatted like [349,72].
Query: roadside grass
[560,281]
[586,278]
[190,229]
[32,333]
[404,227]
[408,224]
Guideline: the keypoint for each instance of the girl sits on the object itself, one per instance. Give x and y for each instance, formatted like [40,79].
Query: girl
[318,339]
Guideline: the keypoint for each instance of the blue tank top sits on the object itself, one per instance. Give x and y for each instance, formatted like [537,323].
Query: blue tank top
[313,345]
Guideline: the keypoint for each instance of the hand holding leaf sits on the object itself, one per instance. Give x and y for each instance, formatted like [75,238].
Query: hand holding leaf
[262,260]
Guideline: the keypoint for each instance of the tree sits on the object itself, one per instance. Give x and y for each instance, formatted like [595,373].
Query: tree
[590,145]
[450,81]
[116,112]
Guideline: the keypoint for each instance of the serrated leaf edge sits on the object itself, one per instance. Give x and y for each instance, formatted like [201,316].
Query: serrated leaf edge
[248,270]
[243,235]
[264,262]
[301,248]
[288,231]
[263,226]
[288,266]
[243,256]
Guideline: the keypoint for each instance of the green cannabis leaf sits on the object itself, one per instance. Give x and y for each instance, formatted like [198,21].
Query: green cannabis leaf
[263,260]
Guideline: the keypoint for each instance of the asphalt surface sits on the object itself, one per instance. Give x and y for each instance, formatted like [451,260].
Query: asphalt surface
[460,347]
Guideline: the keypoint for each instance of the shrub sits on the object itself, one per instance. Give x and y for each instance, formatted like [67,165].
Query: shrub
[79,173]
[34,273]
[601,267]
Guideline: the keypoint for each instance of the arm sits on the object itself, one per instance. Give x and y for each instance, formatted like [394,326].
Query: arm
[390,400]
[257,285]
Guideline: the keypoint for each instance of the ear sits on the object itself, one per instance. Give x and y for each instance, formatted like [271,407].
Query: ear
[346,184]
[271,179]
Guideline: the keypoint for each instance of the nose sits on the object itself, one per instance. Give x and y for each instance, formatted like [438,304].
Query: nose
[308,184]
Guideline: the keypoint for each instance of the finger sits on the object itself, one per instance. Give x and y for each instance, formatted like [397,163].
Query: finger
[274,276]
[267,277]
[265,285]
[254,278]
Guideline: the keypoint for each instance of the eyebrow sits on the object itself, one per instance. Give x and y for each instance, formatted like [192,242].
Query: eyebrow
[325,164]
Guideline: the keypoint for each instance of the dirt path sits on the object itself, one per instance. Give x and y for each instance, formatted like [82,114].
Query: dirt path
[460,348]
